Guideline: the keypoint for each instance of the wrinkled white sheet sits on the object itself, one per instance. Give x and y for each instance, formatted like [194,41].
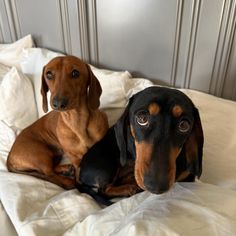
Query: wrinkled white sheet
[37,207]
[188,209]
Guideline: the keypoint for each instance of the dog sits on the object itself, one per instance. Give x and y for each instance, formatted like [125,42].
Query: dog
[70,129]
[157,141]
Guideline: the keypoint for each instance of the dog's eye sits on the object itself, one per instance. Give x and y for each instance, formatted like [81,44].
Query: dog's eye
[49,75]
[184,126]
[142,118]
[75,74]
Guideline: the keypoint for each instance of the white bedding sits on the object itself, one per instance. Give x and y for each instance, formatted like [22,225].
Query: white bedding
[30,206]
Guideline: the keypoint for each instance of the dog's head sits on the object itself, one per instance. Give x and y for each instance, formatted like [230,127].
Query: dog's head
[161,129]
[71,83]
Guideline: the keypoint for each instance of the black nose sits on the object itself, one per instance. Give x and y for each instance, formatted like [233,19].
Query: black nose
[156,187]
[60,103]
[156,190]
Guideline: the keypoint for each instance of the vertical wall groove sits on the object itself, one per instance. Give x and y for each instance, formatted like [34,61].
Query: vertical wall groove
[1,22]
[228,82]
[177,42]
[65,26]
[218,54]
[10,20]
[59,6]
[1,32]
[233,92]
[16,19]
[224,47]
[92,30]
[83,29]
[192,42]
[228,49]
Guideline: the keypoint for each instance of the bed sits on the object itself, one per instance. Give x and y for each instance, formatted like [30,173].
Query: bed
[30,206]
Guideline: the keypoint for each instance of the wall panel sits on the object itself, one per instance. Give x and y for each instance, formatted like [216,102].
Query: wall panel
[47,28]
[146,49]
[182,43]
[54,24]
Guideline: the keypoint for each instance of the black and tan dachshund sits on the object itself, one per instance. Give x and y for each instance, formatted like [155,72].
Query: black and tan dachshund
[157,141]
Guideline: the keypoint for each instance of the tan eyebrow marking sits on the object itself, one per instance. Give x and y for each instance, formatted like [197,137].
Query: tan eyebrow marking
[177,111]
[154,108]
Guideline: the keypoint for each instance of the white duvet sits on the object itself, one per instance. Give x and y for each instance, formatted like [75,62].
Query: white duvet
[37,207]
[30,206]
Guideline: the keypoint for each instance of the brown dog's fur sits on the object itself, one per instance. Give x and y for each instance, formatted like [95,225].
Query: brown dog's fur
[73,126]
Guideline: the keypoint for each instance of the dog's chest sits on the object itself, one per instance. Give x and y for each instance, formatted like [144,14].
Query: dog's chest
[72,145]
[69,138]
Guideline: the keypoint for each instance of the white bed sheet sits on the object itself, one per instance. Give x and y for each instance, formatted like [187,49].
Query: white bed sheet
[37,207]
[30,206]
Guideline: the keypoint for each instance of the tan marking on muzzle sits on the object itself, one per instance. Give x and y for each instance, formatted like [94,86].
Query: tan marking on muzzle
[143,156]
[153,108]
[132,131]
[174,153]
[177,111]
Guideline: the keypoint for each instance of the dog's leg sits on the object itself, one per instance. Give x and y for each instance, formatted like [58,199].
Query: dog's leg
[125,190]
[124,184]
[39,161]
[62,181]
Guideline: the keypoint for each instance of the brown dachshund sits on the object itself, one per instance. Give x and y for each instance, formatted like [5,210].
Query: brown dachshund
[157,141]
[73,126]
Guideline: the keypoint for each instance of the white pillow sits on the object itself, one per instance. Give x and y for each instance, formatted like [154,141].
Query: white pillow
[3,71]
[218,118]
[11,54]
[7,138]
[17,103]
[135,85]
[114,87]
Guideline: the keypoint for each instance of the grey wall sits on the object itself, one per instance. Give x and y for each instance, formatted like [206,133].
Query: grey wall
[182,43]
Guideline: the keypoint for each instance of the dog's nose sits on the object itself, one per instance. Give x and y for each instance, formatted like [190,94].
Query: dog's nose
[156,187]
[157,190]
[60,103]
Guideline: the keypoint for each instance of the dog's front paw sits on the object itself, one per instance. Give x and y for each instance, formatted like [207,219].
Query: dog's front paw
[132,189]
[67,170]
[70,172]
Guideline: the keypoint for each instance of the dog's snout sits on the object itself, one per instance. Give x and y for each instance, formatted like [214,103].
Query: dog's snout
[59,103]
[156,187]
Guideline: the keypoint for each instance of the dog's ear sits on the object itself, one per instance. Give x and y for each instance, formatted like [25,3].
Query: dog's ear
[122,132]
[94,91]
[44,90]
[194,147]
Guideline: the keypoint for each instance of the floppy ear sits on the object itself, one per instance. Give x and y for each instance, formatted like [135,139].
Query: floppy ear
[194,147]
[44,90]
[122,132]
[94,91]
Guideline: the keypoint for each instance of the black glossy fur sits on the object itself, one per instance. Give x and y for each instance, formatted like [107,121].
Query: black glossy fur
[133,157]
